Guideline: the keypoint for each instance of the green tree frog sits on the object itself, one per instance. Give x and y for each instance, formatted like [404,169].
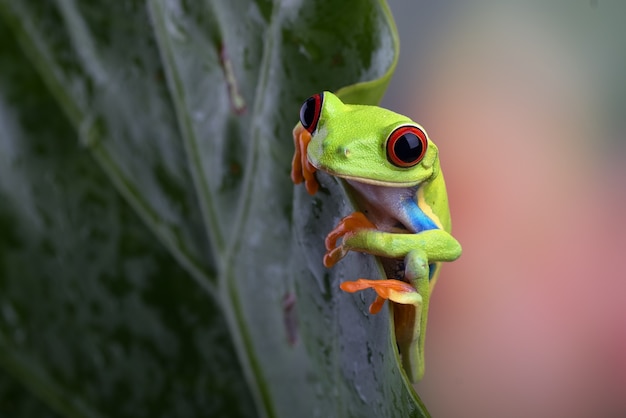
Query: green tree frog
[393,170]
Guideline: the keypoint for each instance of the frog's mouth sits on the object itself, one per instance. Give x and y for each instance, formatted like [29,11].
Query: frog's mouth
[362,179]
[373,182]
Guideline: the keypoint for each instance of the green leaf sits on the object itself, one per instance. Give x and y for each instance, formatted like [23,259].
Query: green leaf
[96,318]
[178,127]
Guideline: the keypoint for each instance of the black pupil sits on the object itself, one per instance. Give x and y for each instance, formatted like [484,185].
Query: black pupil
[307,113]
[408,147]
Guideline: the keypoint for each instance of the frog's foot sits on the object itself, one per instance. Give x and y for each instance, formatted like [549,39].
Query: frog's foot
[301,168]
[346,228]
[394,290]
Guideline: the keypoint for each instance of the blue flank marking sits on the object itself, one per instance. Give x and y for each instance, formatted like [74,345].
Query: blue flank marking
[417,217]
[420,222]
[431,271]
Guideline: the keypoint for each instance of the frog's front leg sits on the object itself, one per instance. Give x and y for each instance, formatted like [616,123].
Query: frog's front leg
[359,234]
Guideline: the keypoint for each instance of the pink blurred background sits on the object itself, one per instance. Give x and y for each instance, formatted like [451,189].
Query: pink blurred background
[521,100]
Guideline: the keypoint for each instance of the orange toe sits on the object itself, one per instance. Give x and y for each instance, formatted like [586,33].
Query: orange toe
[382,287]
[301,168]
[377,305]
[395,290]
[346,227]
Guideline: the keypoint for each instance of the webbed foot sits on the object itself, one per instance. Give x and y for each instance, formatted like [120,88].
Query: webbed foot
[301,168]
[345,229]
[390,289]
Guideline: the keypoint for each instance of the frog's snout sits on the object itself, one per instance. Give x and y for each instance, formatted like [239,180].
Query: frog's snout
[343,151]
[329,148]
[326,152]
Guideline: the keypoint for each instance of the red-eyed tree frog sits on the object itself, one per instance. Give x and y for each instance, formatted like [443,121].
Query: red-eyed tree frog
[393,170]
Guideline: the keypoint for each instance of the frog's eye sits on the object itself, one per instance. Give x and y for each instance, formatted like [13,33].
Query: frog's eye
[310,112]
[406,146]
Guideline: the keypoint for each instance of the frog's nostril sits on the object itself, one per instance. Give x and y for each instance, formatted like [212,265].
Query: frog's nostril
[343,152]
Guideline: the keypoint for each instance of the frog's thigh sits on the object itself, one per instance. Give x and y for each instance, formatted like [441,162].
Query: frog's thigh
[411,325]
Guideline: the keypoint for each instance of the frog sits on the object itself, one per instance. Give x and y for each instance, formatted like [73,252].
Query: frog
[391,169]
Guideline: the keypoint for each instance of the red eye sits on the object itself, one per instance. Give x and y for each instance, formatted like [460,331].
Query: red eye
[310,112]
[406,146]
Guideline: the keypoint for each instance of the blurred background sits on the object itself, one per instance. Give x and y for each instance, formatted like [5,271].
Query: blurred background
[526,103]
[525,100]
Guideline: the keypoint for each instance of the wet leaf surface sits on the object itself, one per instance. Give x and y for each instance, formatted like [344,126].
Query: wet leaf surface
[154,259]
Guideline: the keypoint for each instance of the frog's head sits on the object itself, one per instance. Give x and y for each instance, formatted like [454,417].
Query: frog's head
[368,144]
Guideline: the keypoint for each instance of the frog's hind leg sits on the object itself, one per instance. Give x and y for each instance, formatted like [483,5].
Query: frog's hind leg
[410,319]
[410,308]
